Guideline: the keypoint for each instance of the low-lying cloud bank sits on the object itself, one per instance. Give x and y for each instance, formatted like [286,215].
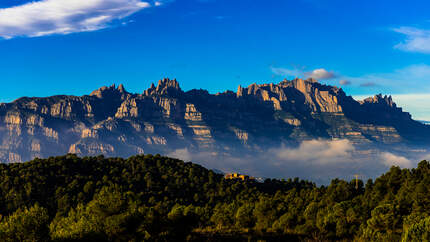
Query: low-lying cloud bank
[390,159]
[316,160]
[317,152]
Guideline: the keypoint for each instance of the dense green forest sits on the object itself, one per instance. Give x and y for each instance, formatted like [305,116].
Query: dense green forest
[155,198]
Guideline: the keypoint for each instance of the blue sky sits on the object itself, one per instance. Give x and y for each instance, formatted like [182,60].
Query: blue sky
[73,47]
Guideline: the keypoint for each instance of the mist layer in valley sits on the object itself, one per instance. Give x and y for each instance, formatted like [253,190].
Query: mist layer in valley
[318,160]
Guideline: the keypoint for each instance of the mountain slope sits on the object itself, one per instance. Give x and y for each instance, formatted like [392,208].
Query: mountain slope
[164,118]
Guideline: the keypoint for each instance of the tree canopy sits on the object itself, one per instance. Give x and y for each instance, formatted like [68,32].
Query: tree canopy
[155,198]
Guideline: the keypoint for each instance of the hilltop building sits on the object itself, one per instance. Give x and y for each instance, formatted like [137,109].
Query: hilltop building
[230,176]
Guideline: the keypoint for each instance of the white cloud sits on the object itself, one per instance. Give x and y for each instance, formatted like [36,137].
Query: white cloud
[417,40]
[390,159]
[319,74]
[48,17]
[319,151]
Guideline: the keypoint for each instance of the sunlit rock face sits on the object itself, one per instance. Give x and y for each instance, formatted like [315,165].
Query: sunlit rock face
[164,118]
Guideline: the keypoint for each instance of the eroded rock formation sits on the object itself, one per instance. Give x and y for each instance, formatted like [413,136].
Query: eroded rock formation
[114,122]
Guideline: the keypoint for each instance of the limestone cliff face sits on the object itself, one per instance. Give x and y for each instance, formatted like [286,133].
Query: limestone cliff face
[310,93]
[114,122]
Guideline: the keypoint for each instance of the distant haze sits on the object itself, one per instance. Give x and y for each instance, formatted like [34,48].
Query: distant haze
[416,104]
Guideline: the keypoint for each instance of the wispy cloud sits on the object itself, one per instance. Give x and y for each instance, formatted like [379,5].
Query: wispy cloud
[48,17]
[410,79]
[368,84]
[319,74]
[417,40]
[280,71]
[221,17]
[344,82]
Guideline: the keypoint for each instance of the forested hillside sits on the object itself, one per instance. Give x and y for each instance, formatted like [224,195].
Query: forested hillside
[154,198]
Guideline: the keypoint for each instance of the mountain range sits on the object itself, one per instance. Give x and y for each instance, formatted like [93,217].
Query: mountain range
[164,118]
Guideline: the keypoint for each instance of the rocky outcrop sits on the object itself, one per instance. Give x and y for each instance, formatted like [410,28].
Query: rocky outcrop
[112,91]
[165,87]
[114,122]
[317,97]
[379,100]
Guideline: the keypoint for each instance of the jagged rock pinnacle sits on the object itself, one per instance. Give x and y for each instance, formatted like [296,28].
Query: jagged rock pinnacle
[121,88]
[381,100]
[239,91]
[165,86]
[107,91]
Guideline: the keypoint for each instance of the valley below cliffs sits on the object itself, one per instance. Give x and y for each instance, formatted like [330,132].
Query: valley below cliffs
[164,119]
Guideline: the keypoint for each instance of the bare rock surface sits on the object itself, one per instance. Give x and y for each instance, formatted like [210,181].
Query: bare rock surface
[164,118]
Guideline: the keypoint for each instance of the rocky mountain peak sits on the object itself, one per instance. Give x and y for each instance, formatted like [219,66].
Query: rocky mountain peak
[167,83]
[121,88]
[239,92]
[165,86]
[109,91]
[116,123]
[381,100]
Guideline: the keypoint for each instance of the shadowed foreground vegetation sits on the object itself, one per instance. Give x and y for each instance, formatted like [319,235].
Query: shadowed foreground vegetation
[154,198]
